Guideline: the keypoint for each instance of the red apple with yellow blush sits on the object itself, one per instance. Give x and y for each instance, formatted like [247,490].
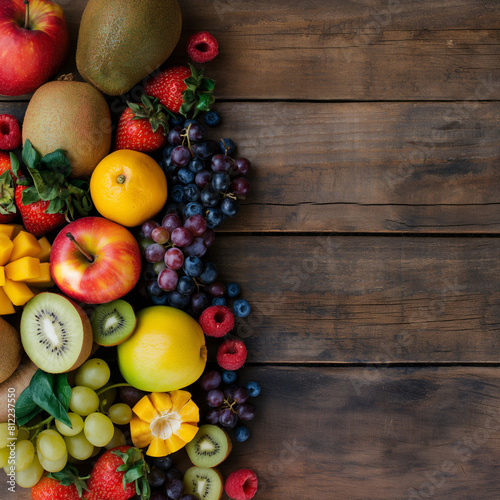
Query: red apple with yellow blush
[95,260]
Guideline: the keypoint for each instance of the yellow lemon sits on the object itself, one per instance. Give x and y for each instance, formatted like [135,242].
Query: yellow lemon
[128,187]
[166,352]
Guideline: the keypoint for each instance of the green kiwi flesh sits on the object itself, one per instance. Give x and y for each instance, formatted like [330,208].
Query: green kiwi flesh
[210,446]
[203,482]
[113,323]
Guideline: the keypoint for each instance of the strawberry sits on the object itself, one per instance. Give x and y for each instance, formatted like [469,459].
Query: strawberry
[119,474]
[8,209]
[181,89]
[46,199]
[142,127]
[10,134]
[63,485]
[35,218]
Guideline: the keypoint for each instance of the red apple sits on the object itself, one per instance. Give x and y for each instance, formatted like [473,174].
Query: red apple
[33,44]
[94,260]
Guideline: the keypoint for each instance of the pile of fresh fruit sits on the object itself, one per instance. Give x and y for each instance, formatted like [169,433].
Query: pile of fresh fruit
[106,292]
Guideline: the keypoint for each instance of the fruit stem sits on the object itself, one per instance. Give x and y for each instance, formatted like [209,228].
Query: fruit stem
[120,179]
[27,15]
[48,420]
[107,388]
[84,252]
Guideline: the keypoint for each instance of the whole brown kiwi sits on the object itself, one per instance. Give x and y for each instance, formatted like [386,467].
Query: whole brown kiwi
[12,350]
[73,116]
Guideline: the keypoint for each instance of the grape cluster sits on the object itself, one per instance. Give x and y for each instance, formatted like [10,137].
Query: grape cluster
[93,418]
[228,401]
[165,480]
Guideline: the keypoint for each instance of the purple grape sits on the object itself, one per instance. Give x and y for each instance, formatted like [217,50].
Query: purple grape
[160,235]
[203,179]
[197,224]
[181,237]
[197,132]
[213,416]
[217,289]
[229,391]
[131,396]
[199,302]
[171,222]
[240,186]
[210,380]
[174,136]
[154,253]
[156,477]
[197,248]
[240,395]
[174,258]
[147,228]
[242,166]
[245,411]
[167,280]
[228,418]
[215,398]
[181,156]
[208,237]
[220,163]
[174,489]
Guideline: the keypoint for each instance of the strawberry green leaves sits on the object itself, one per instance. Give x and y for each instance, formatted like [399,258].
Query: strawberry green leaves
[153,111]
[68,476]
[135,470]
[7,204]
[199,93]
[48,392]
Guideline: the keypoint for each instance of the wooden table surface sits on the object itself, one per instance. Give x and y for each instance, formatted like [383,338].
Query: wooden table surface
[369,245]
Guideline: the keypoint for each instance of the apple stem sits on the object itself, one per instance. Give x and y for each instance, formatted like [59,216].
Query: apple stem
[27,15]
[84,252]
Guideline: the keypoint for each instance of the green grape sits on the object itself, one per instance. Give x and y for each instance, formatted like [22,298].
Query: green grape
[98,429]
[76,422]
[84,400]
[4,457]
[79,446]
[118,439]
[94,373]
[51,445]
[30,476]
[107,399]
[120,414]
[7,433]
[53,465]
[24,453]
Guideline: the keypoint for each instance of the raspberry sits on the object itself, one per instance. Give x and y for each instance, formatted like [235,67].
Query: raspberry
[241,484]
[202,47]
[216,321]
[10,135]
[232,354]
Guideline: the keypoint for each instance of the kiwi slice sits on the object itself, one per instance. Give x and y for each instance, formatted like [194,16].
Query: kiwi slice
[209,447]
[113,323]
[55,333]
[203,482]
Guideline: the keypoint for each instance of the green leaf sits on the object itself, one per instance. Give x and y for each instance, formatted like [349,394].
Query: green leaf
[30,195]
[26,408]
[30,155]
[62,390]
[68,476]
[56,206]
[207,85]
[14,164]
[58,162]
[42,392]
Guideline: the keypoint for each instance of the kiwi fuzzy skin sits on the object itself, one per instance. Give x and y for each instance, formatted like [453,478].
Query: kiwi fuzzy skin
[12,350]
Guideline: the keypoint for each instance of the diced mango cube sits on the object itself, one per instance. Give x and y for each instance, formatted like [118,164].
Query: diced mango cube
[10,230]
[46,247]
[6,306]
[6,247]
[44,280]
[18,292]
[2,276]
[23,269]
[25,245]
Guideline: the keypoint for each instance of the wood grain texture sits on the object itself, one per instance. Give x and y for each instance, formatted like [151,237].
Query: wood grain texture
[366,50]
[354,433]
[366,299]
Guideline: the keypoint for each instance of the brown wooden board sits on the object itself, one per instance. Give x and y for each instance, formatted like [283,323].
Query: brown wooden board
[354,433]
[368,50]
[366,299]
[364,167]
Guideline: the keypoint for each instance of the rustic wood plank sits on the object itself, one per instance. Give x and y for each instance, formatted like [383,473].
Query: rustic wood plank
[367,50]
[366,299]
[364,167]
[353,434]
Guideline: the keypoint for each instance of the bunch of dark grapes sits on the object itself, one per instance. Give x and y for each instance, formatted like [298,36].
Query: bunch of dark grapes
[228,401]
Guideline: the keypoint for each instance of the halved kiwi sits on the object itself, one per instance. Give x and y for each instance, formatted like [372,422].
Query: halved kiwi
[113,323]
[209,447]
[55,333]
[203,482]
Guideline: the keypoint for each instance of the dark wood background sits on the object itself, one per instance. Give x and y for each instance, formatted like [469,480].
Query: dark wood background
[369,245]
